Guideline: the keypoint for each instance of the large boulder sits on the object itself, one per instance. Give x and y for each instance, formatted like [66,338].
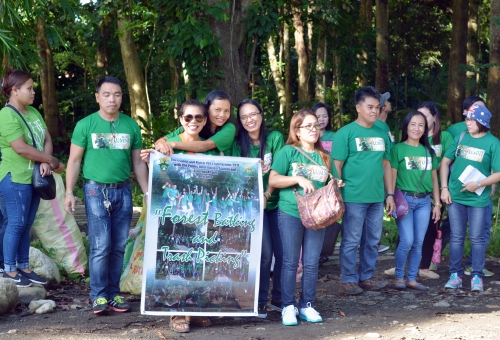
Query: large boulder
[34,292]
[44,266]
[8,295]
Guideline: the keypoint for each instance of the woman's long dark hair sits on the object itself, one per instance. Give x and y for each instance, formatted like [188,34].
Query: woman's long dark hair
[424,139]
[216,95]
[436,131]
[243,139]
[323,105]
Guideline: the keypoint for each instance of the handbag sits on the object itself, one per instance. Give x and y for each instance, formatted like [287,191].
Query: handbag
[402,206]
[322,207]
[45,187]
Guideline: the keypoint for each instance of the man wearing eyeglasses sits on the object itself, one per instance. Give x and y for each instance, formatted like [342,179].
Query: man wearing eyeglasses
[109,143]
[361,156]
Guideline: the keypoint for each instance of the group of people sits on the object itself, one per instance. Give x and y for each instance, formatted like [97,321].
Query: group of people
[361,154]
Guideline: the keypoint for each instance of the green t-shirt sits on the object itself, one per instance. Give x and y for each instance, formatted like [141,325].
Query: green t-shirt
[223,204]
[223,138]
[410,162]
[274,143]
[166,192]
[385,127]
[483,154]
[11,128]
[229,202]
[184,200]
[107,157]
[290,162]
[197,198]
[173,193]
[327,141]
[456,129]
[440,149]
[362,150]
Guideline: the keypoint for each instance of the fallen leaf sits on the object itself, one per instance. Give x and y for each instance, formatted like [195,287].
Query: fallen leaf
[161,336]
[342,313]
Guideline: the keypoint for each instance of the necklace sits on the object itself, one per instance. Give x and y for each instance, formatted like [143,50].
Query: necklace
[113,125]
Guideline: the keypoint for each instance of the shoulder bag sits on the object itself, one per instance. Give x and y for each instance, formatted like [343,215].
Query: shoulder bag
[45,187]
[320,208]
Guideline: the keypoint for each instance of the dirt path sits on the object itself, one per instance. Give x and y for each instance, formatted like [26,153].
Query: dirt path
[389,314]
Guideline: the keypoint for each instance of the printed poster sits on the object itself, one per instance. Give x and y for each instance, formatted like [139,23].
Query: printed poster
[203,236]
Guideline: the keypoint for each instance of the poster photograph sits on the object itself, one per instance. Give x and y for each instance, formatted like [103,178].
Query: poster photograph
[203,236]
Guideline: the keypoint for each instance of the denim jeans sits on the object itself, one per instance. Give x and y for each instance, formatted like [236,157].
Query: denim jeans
[459,214]
[412,228]
[361,226]
[3,225]
[21,203]
[108,232]
[293,236]
[487,232]
[271,244]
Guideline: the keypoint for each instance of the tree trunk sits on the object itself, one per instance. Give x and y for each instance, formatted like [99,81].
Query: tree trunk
[494,72]
[102,47]
[133,73]
[320,67]
[53,119]
[366,14]
[277,77]
[382,75]
[301,49]
[456,78]
[175,80]
[472,48]
[231,34]
[288,71]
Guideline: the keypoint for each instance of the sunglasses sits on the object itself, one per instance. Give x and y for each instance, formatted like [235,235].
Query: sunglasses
[197,118]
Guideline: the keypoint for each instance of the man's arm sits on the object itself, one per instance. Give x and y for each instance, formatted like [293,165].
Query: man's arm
[75,160]
[140,170]
[389,187]
[339,165]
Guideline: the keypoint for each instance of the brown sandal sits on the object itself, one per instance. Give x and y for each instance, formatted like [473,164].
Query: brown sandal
[178,324]
[201,321]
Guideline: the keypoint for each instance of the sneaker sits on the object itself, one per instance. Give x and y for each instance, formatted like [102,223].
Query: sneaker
[382,248]
[262,311]
[454,282]
[310,314]
[275,306]
[433,266]
[350,288]
[476,284]
[21,281]
[118,305]
[33,277]
[372,284]
[101,306]
[288,316]
[486,272]
[390,272]
[1,270]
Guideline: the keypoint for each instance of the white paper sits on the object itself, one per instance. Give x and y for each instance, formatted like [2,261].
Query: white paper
[472,174]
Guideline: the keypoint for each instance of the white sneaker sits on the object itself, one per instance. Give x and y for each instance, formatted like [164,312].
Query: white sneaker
[310,314]
[288,316]
[390,272]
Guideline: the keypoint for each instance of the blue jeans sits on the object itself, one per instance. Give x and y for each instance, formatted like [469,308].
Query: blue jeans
[293,236]
[487,232]
[459,214]
[108,232]
[271,244]
[412,228]
[21,203]
[361,226]
[3,225]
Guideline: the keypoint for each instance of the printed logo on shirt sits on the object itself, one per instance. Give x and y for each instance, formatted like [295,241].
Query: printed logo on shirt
[438,149]
[418,163]
[112,141]
[310,171]
[370,144]
[268,160]
[327,145]
[39,134]
[470,153]
[391,136]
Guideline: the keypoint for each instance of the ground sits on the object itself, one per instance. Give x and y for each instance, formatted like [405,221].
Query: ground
[388,314]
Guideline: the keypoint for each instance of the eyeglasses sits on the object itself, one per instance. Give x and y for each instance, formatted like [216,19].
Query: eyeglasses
[252,115]
[310,127]
[198,118]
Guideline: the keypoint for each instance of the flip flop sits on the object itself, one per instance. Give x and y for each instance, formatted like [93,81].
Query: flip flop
[417,286]
[176,321]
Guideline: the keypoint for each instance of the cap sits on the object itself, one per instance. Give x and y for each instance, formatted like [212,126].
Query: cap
[480,114]
[384,97]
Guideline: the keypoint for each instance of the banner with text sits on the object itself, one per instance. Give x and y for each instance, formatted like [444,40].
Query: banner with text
[203,236]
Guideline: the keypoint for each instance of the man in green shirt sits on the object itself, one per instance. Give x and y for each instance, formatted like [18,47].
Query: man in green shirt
[109,143]
[361,158]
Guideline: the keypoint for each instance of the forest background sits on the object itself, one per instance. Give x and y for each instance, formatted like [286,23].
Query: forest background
[286,54]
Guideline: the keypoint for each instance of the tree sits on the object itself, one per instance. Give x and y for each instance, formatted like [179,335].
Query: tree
[382,77]
[301,49]
[494,70]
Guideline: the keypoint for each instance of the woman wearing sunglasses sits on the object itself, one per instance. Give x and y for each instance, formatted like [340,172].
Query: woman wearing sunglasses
[218,134]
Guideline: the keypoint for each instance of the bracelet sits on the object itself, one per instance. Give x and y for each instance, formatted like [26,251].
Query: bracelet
[390,195]
[69,193]
[267,195]
[438,205]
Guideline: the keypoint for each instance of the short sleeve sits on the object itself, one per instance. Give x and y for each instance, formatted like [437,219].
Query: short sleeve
[277,143]
[450,153]
[394,158]
[137,137]
[79,135]
[281,162]
[224,138]
[340,140]
[11,127]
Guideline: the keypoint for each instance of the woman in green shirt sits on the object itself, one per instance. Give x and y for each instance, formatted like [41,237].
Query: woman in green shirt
[218,134]
[255,141]
[323,114]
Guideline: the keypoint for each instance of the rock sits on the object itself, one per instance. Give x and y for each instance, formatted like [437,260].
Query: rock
[372,335]
[373,293]
[9,295]
[135,331]
[35,303]
[495,282]
[12,331]
[28,294]
[411,307]
[44,266]
[442,304]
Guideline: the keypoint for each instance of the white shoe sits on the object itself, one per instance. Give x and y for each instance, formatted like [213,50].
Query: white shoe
[288,316]
[429,274]
[390,272]
[310,314]
[382,248]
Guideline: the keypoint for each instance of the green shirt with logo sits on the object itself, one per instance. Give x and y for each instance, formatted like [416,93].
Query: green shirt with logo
[456,129]
[385,127]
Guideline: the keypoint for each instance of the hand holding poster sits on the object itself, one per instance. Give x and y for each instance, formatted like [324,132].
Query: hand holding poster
[204,236]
